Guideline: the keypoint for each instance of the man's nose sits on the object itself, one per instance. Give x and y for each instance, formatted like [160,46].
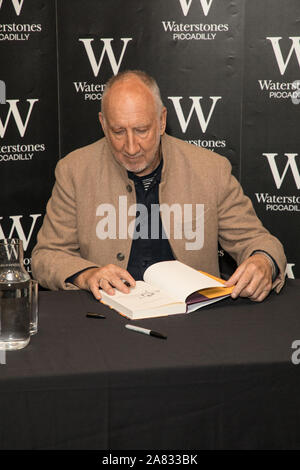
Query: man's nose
[132,145]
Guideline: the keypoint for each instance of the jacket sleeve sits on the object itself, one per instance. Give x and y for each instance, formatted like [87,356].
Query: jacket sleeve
[56,255]
[240,230]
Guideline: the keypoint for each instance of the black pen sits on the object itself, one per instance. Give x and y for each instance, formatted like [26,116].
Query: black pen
[145,331]
[95,315]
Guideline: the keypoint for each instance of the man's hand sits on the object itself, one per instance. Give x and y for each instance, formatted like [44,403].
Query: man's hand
[253,278]
[106,278]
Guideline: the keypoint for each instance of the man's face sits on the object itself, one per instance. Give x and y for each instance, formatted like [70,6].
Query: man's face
[133,125]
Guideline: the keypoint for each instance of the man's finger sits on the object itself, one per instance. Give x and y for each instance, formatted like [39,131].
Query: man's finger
[262,296]
[125,276]
[94,288]
[119,284]
[252,290]
[241,284]
[235,276]
[107,286]
[262,291]
[114,274]
[251,284]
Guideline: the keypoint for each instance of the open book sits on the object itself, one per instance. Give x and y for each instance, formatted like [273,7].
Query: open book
[170,287]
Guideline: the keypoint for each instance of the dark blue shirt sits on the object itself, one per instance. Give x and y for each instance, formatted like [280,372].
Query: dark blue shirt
[150,244]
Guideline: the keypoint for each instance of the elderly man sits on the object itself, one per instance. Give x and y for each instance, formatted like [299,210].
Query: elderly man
[135,168]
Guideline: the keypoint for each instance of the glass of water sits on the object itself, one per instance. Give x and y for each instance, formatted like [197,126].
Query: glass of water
[15,293]
[34,307]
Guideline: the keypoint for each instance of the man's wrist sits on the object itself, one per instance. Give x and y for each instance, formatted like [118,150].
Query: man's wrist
[275,269]
[71,279]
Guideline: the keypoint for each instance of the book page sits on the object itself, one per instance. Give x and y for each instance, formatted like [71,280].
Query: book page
[142,296]
[192,308]
[177,279]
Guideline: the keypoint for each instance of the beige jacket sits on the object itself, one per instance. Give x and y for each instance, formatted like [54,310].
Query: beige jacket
[90,177]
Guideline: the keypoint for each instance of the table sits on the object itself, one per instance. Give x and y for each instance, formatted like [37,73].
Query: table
[223,379]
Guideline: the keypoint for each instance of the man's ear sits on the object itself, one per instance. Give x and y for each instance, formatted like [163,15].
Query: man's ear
[102,121]
[163,120]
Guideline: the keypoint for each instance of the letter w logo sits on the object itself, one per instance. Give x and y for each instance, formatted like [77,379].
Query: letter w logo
[108,49]
[278,54]
[186,4]
[14,110]
[196,106]
[16,227]
[291,162]
[17,5]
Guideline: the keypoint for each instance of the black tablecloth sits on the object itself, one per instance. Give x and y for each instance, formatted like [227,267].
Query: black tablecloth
[223,379]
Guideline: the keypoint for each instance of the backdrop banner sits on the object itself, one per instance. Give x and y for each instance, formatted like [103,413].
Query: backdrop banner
[271,115]
[229,76]
[28,117]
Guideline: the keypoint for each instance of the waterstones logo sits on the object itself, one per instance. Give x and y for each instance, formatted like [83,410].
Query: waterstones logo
[106,50]
[283,89]
[211,144]
[26,230]
[16,31]
[290,163]
[17,4]
[17,118]
[93,91]
[13,115]
[193,31]
[274,202]
[186,5]
[20,152]
[89,91]
[295,48]
[196,109]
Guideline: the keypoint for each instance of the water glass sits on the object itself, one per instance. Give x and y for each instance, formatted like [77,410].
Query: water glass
[34,304]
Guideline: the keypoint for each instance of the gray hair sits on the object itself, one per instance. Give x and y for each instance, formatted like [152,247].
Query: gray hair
[149,81]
